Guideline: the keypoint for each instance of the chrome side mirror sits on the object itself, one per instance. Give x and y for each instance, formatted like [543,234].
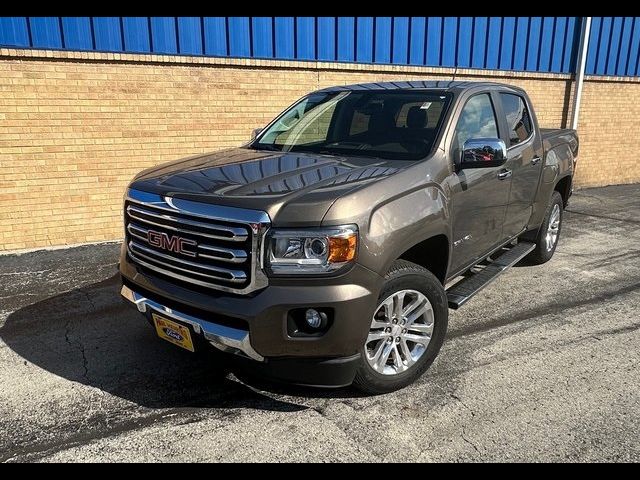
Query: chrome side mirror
[255,133]
[483,152]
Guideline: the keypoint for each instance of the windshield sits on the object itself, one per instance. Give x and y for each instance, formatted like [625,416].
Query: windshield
[399,125]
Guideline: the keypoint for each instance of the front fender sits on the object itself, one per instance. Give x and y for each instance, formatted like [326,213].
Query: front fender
[401,223]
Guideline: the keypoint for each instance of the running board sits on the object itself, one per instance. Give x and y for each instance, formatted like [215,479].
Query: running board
[461,292]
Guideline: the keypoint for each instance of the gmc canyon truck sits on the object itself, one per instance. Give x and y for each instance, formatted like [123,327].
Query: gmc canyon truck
[328,250]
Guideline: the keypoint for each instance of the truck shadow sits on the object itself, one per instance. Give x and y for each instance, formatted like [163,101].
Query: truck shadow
[90,336]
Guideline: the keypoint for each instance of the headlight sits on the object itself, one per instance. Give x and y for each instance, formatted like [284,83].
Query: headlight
[317,250]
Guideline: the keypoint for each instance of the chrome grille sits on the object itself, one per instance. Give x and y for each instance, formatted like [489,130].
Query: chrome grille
[196,243]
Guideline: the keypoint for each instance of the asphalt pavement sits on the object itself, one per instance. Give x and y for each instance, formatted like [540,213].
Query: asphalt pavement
[543,365]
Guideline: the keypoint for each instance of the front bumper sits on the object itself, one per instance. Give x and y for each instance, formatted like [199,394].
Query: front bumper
[222,337]
[262,338]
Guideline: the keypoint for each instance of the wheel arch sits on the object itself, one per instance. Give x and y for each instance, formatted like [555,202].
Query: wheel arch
[431,253]
[563,187]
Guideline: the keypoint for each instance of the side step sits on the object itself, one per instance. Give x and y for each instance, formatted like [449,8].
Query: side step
[486,272]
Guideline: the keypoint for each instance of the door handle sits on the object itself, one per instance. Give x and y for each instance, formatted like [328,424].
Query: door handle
[535,160]
[504,173]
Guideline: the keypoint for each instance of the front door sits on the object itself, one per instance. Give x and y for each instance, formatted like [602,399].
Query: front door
[479,195]
[524,160]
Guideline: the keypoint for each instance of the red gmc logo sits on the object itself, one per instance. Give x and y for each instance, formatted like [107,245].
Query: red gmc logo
[172,243]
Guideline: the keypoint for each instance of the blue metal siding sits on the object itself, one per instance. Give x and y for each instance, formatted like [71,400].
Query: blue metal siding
[107,33]
[544,44]
[137,34]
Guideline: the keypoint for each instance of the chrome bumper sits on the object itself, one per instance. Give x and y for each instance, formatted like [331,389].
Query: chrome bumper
[223,338]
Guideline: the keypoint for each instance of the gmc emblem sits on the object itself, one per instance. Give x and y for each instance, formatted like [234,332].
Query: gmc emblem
[172,243]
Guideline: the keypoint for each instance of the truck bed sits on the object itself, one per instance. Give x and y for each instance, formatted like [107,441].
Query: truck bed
[553,137]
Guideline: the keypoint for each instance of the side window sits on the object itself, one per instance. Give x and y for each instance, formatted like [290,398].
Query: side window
[518,120]
[477,120]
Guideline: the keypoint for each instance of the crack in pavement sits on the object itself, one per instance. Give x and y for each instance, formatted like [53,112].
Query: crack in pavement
[322,411]
[78,344]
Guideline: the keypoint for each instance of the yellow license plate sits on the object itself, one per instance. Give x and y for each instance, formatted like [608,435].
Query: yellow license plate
[173,332]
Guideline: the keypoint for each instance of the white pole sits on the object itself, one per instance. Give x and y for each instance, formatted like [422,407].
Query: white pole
[580,67]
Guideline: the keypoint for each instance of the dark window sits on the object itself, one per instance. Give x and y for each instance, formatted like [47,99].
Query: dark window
[400,125]
[518,120]
[477,120]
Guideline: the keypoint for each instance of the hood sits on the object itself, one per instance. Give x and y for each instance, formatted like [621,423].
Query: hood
[293,188]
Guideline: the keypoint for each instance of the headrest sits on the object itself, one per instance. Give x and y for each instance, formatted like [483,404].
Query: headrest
[380,121]
[417,117]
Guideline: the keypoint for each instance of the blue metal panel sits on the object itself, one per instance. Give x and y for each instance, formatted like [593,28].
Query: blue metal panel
[108,34]
[190,35]
[164,37]
[520,43]
[574,26]
[625,44]
[263,37]
[493,45]
[45,32]
[603,45]
[465,30]
[14,32]
[634,50]
[535,30]
[508,37]
[449,41]
[306,38]
[417,40]
[594,41]
[326,38]
[285,39]
[239,37]
[215,36]
[546,44]
[479,41]
[77,33]
[364,39]
[346,39]
[400,41]
[136,34]
[614,45]
[557,49]
[383,40]
[434,41]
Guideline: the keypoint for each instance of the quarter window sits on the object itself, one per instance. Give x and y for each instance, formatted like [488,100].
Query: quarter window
[518,120]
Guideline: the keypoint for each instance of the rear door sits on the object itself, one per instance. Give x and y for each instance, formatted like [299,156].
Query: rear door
[479,195]
[524,154]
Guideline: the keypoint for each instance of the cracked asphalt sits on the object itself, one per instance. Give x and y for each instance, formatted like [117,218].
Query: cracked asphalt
[543,365]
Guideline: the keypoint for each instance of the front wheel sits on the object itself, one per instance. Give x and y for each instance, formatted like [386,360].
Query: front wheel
[406,331]
[549,233]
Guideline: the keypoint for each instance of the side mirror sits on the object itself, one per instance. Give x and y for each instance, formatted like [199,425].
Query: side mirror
[255,133]
[483,152]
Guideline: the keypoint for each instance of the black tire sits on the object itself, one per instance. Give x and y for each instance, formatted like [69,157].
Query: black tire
[542,253]
[405,275]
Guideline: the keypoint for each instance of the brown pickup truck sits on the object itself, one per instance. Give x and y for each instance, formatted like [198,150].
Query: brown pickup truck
[328,250]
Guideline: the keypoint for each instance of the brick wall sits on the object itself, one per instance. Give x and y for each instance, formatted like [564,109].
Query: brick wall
[75,127]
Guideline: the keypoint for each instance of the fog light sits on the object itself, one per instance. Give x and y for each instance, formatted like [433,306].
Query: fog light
[314,318]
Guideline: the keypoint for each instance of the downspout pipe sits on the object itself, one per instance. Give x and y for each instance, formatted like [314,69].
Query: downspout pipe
[583,47]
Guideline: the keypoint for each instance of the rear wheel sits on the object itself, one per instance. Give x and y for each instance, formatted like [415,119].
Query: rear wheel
[549,233]
[406,331]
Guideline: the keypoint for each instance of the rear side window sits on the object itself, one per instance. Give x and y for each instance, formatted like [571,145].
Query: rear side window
[518,119]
